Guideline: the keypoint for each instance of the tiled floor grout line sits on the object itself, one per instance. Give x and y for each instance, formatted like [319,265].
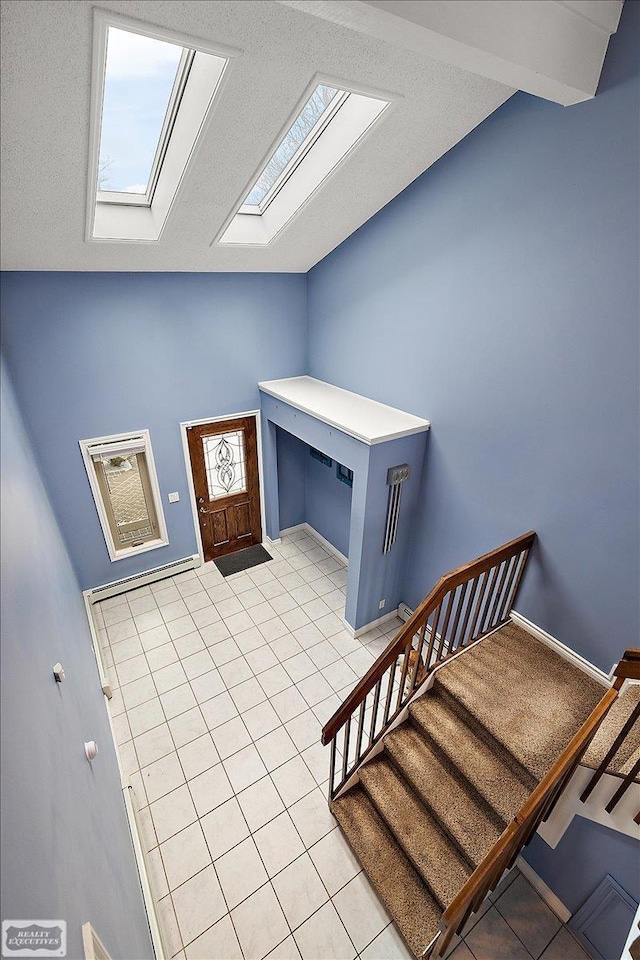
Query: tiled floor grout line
[496,904]
[296,622]
[193,598]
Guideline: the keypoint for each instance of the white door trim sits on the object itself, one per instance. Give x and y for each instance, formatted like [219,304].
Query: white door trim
[184,424]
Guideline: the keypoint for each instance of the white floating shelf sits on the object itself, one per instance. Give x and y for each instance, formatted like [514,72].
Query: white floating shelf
[358,416]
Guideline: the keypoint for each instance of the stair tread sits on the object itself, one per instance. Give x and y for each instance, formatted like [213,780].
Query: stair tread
[468,819]
[430,850]
[493,772]
[525,695]
[628,752]
[415,911]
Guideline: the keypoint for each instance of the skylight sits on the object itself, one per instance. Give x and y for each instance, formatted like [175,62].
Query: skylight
[143,78]
[327,125]
[295,141]
[151,94]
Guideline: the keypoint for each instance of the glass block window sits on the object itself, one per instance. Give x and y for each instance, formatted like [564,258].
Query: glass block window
[225,462]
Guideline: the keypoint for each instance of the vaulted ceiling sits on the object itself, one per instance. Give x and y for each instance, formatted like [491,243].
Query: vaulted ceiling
[444,84]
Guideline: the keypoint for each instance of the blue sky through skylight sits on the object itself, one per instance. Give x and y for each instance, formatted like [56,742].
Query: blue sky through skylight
[297,133]
[139,78]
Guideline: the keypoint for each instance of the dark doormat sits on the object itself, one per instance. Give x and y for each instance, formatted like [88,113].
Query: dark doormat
[242,560]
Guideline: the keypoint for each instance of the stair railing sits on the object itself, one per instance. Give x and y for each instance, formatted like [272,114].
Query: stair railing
[464,606]
[537,808]
[630,656]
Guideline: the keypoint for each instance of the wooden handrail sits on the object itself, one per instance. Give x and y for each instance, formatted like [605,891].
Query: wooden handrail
[417,621]
[517,833]
[629,667]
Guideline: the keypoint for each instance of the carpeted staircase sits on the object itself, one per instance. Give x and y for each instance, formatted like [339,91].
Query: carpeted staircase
[628,753]
[428,809]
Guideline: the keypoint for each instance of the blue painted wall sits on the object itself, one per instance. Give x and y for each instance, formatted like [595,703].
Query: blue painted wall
[583,858]
[292,455]
[66,847]
[309,492]
[95,354]
[328,504]
[498,297]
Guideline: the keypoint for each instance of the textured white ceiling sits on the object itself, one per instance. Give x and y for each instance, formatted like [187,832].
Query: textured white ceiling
[46,71]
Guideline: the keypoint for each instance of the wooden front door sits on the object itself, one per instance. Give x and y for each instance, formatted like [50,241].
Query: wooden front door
[224,466]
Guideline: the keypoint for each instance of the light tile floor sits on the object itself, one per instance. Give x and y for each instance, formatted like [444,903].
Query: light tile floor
[220,688]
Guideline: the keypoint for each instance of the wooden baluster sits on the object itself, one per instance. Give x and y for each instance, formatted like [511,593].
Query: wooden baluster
[489,597]
[611,752]
[429,658]
[434,632]
[463,632]
[332,768]
[480,601]
[494,608]
[513,566]
[521,565]
[403,675]
[360,731]
[387,703]
[445,625]
[345,747]
[461,593]
[418,654]
[624,786]
[374,714]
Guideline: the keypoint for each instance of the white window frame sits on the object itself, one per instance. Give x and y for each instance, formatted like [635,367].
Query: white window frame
[301,152]
[344,130]
[117,217]
[173,105]
[143,438]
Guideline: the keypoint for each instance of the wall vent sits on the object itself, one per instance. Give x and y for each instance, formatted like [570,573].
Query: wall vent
[141,579]
[396,476]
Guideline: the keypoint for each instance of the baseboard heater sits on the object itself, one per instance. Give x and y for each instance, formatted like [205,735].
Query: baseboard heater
[141,579]
[404,611]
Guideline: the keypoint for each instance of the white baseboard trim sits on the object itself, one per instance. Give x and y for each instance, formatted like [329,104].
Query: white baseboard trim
[329,547]
[294,529]
[565,652]
[554,902]
[159,949]
[270,542]
[392,615]
[97,652]
[155,929]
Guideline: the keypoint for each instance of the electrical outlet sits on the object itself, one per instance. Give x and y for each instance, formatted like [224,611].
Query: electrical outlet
[174,497]
[381,605]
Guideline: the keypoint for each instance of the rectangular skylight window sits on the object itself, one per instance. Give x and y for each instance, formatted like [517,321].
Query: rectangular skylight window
[309,122]
[151,94]
[328,124]
[142,84]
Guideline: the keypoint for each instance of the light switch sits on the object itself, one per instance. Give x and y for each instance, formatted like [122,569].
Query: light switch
[174,497]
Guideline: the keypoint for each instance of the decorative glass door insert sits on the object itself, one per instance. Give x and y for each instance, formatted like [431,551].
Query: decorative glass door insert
[225,463]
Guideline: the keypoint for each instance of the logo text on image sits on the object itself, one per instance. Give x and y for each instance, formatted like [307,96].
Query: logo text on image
[34,938]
